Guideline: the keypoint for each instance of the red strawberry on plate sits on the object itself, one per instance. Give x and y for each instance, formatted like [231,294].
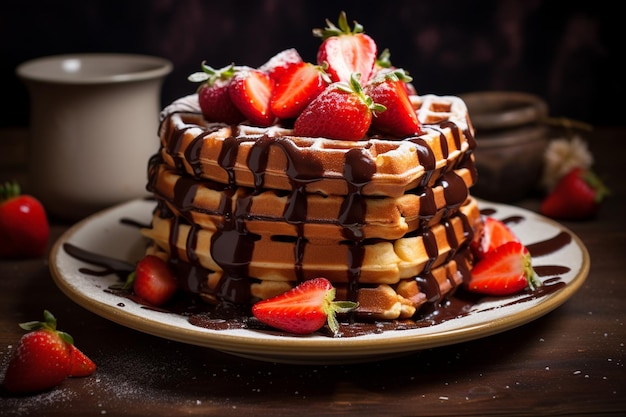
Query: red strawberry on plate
[346,51]
[340,112]
[153,280]
[43,358]
[505,270]
[277,65]
[303,309]
[388,88]
[24,227]
[251,91]
[577,196]
[296,88]
[495,233]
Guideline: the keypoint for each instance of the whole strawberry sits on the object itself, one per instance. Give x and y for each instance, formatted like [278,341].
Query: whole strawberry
[44,358]
[346,51]
[24,228]
[213,96]
[388,88]
[153,280]
[303,309]
[342,112]
[577,196]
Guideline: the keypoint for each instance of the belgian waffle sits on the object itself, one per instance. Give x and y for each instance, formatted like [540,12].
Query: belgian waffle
[272,158]
[386,277]
[245,213]
[386,218]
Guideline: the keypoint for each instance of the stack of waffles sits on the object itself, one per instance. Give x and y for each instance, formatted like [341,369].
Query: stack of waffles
[245,213]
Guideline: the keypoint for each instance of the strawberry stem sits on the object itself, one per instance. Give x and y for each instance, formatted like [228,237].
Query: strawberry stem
[343,29]
[9,190]
[384,60]
[210,75]
[332,308]
[49,323]
[395,75]
[533,281]
[594,182]
[355,87]
[130,280]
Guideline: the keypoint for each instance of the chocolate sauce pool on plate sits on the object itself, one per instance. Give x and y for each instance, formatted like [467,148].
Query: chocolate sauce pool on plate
[234,316]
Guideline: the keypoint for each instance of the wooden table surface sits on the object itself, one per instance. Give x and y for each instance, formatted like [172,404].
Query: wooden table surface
[570,361]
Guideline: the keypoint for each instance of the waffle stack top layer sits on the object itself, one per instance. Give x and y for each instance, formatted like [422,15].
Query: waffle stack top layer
[247,212]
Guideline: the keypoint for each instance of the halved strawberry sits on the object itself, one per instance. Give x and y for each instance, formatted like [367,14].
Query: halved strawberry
[303,309]
[495,233]
[342,112]
[153,280]
[388,88]
[503,271]
[346,51]
[296,88]
[213,96]
[277,65]
[251,91]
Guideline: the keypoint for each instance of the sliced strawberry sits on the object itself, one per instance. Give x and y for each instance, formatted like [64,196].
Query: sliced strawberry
[296,88]
[251,91]
[503,271]
[340,112]
[346,51]
[82,365]
[280,63]
[303,309]
[153,280]
[577,196]
[388,88]
[42,359]
[213,96]
[24,227]
[495,233]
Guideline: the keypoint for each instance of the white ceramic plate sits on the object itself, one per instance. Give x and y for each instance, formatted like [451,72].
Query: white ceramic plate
[105,234]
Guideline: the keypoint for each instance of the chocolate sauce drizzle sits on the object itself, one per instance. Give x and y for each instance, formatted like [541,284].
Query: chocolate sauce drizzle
[217,317]
[232,245]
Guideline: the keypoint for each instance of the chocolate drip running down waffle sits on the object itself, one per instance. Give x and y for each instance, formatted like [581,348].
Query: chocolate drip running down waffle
[245,213]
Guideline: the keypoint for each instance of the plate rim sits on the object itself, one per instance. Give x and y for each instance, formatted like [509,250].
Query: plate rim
[315,350]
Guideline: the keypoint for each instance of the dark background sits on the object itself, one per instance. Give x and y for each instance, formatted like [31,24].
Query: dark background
[568,52]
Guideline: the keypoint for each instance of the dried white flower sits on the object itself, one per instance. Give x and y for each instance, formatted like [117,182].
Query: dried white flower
[561,156]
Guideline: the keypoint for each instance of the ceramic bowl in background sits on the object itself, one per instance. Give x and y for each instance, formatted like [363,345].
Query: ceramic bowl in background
[93,126]
[511,139]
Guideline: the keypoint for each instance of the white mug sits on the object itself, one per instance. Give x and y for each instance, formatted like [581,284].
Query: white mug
[93,126]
